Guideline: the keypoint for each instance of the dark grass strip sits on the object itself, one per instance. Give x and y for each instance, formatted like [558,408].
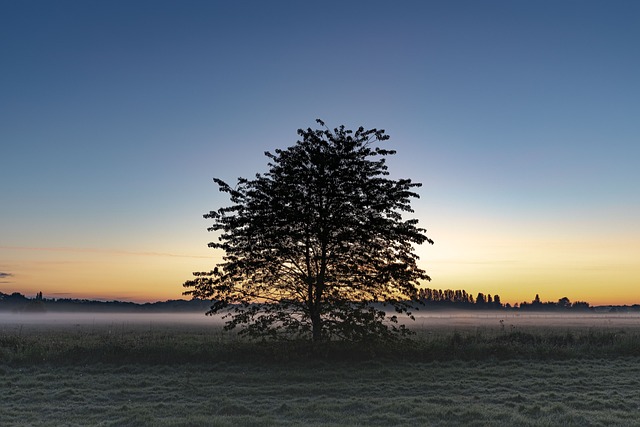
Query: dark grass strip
[181,346]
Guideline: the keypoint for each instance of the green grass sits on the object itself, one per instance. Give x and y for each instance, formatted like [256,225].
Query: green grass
[516,392]
[197,344]
[186,376]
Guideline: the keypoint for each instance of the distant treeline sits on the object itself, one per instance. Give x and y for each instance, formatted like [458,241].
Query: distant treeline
[461,299]
[19,303]
[432,299]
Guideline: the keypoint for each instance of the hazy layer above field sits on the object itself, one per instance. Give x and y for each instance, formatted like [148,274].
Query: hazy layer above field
[509,319]
[84,319]
[424,320]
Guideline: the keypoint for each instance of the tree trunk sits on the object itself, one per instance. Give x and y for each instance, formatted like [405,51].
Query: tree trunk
[316,322]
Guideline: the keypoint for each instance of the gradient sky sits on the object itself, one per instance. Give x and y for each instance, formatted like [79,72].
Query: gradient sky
[521,119]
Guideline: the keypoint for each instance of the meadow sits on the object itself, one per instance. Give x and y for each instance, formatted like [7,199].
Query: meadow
[458,370]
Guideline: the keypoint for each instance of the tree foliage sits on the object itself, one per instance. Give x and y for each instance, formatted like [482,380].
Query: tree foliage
[316,246]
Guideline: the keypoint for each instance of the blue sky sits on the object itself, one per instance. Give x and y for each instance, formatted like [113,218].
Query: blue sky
[519,117]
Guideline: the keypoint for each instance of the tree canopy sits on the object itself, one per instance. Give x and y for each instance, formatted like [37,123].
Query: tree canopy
[317,246]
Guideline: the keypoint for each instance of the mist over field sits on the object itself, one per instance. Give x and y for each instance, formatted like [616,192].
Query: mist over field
[424,320]
[465,319]
[88,319]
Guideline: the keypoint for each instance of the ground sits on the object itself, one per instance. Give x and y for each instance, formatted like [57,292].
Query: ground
[157,375]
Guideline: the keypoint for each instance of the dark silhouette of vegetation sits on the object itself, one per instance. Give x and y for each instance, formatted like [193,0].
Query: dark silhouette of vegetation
[313,243]
[562,304]
[17,302]
[461,299]
[183,345]
[429,298]
[437,298]
[35,305]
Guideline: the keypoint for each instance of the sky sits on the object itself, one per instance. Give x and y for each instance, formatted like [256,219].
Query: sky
[520,119]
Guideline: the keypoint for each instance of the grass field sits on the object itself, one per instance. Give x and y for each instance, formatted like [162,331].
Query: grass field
[183,375]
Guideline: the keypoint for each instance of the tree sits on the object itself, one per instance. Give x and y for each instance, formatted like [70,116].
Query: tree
[480,299]
[312,244]
[497,302]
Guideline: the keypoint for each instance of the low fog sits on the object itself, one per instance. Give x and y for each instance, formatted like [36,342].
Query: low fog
[508,319]
[86,320]
[426,320]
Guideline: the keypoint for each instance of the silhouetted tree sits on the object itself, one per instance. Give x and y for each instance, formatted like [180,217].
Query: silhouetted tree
[480,299]
[564,302]
[497,302]
[458,299]
[314,241]
[580,305]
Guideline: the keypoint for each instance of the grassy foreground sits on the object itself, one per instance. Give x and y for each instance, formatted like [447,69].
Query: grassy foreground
[181,376]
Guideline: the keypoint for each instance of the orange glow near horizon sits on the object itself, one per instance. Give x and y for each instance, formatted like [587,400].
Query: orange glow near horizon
[601,273]
[101,274]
